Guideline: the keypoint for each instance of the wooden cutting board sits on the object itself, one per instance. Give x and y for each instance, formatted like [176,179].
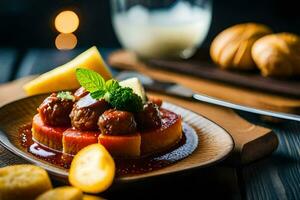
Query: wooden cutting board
[251,142]
[208,70]
[236,94]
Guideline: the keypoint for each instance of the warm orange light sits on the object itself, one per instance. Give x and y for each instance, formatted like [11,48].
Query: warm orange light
[65,41]
[66,21]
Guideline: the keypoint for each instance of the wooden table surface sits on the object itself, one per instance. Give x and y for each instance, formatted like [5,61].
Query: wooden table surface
[275,177]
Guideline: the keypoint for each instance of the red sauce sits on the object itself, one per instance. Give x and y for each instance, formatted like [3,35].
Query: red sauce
[182,149]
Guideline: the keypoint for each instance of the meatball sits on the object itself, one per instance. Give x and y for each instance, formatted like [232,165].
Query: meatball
[55,111]
[156,101]
[86,112]
[116,122]
[80,92]
[149,118]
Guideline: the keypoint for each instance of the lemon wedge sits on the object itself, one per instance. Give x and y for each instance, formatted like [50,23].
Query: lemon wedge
[92,169]
[64,78]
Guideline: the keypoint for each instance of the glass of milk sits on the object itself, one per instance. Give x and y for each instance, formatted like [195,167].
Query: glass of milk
[162,28]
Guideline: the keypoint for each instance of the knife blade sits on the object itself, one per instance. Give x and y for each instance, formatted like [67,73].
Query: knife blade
[178,90]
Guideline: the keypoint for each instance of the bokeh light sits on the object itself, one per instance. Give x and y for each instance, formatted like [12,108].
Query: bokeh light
[66,21]
[66,41]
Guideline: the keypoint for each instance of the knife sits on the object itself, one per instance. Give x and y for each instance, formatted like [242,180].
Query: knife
[177,90]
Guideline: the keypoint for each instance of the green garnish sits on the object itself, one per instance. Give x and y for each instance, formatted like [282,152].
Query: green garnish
[90,80]
[111,85]
[65,95]
[125,99]
[121,98]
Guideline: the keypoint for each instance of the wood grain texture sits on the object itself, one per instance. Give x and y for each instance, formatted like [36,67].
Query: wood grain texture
[13,90]
[276,177]
[252,142]
[8,158]
[127,60]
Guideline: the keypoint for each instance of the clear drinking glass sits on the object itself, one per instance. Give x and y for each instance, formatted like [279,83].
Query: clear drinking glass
[162,28]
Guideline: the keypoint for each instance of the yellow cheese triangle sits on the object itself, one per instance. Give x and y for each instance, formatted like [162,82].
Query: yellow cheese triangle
[64,78]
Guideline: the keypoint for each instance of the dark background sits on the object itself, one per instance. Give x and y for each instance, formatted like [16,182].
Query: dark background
[29,23]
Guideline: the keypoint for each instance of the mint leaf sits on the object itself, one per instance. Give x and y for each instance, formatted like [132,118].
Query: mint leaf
[98,94]
[111,85]
[90,80]
[65,96]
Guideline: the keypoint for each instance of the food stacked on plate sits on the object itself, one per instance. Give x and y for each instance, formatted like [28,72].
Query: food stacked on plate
[249,46]
[117,115]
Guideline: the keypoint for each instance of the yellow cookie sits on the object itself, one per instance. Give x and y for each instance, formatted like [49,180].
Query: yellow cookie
[62,193]
[24,182]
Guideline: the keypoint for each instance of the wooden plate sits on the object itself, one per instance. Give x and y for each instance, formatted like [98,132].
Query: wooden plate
[214,145]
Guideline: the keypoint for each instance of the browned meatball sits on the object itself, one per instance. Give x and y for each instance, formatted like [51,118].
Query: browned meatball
[86,112]
[156,101]
[149,118]
[80,92]
[55,111]
[116,122]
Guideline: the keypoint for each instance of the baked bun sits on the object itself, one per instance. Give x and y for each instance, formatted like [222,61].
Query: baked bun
[231,49]
[278,55]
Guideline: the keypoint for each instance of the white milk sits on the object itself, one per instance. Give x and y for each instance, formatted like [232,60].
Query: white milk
[163,33]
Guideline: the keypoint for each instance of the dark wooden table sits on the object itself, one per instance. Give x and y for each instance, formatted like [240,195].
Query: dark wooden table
[275,177]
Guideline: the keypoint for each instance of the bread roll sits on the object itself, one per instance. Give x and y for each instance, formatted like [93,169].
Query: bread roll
[231,49]
[278,55]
